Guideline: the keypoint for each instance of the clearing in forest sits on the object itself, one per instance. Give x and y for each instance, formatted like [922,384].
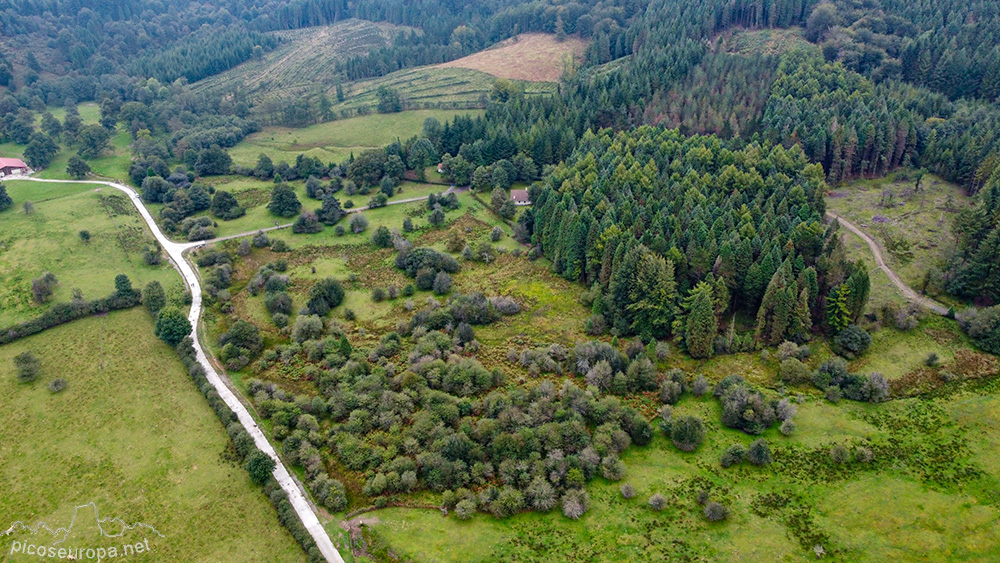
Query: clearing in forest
[305,59]
[535,57]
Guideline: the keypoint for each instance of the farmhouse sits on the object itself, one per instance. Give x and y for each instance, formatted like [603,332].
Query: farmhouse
[10,166]
[520,197]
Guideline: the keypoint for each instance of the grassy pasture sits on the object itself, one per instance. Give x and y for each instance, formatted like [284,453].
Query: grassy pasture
[48,240]
[334,141]
[132,434]
[533,57]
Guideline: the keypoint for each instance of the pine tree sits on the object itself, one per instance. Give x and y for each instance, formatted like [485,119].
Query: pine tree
[776,309]
[838,314]
[701,325]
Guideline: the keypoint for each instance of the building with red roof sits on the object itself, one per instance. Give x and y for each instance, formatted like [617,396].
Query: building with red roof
[10,166]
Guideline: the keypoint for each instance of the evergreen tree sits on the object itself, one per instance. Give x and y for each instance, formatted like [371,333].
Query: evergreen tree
[701,325]
[284,202]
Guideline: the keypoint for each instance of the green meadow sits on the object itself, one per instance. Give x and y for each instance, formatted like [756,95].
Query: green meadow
[48,240]
[133,435]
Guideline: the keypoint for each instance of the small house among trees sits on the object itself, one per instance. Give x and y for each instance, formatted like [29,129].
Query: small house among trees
[520,197]
[10,166]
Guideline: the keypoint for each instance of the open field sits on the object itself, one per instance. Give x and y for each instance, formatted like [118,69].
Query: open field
[133,435]
[533,57]
[47,240]
[913,228]
[306,59]
[335,141]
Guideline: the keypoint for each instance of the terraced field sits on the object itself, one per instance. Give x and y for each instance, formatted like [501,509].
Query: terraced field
[306,59]
[432,87]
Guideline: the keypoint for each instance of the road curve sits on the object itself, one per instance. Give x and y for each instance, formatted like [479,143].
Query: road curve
[908,291]
[175,251]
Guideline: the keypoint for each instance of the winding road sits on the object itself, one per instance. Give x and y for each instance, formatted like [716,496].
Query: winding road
[175,251]
[908,291]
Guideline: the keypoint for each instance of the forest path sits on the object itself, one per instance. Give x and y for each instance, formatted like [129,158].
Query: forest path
[908,291]
[175,251]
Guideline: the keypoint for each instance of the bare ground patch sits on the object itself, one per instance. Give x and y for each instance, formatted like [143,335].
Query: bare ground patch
[535,57]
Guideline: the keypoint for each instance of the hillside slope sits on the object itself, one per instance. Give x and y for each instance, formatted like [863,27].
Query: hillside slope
[306,58]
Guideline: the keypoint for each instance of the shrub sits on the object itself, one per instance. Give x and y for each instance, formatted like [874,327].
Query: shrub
[612,469]
[379,295]
[596,325]
[382,237]
[28,367]
[496,234]
[733,455]
[876,388]
[628,491]
[715,512]
[787,427]
[932,360]
[307,223]
[759,453]
[687,433]
[863,454]
[852,342]
[839,454]
[307,327]
[657,502]
[746,409]
[787,350]
[794,372]
[465,509]
[358,223]
[671,389]
[260,240]
[279,245]
[575,503]
[700,386]
[57,385]
[442,283]
[983,326]
[832,394]
[509,501]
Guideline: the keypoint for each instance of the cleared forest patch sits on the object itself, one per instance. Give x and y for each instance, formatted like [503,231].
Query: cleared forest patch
[306,59]
[534,57]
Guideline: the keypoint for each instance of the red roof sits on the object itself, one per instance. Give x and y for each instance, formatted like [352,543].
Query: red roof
[12,163]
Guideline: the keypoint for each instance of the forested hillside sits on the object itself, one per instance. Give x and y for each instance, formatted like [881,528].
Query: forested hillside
[676,234]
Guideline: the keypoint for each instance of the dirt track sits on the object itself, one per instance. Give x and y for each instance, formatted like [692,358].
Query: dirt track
[908,291]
